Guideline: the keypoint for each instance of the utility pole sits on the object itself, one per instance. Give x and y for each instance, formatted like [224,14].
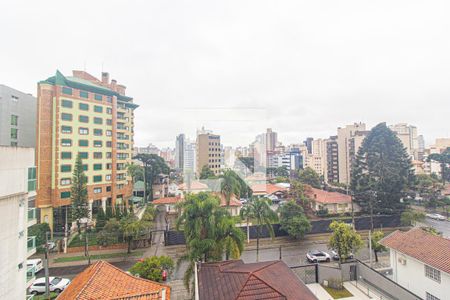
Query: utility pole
[370,248]
[47,283]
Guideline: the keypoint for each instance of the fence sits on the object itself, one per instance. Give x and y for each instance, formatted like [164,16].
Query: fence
[307,273]
[173,237]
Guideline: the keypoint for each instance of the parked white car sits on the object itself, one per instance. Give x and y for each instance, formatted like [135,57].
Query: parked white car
[36,263]
[436,217]
[56,284]
[318,256]
[335,255]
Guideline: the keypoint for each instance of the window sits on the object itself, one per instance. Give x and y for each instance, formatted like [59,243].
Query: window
[109,144]
[98,121]
[109,99]
[14,144]
[14,133]
[432,273]
[98,109]
[83,155]
[97,190]
[98,97]
[97,155]
[108,122]
[108,133]
[66,142]
[108,188]
[66,103]
[66,129]
[98,132]
[85,167]
[84,119]
[14,120]
[66,155]
[14,98]
[65,195]
[31,179]
[83,106]
[108,154]
[108,177]
[83,131]
[97,167]
[66,117]
[66,168]
[98,144]
[66,181]
[97,178]
[108,166]
[67,90]
[83,143]
[431,297]
[84,94]
[109,110]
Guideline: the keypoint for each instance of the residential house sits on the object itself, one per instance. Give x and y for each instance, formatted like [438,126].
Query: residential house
[102,280]
[420,262]
[169,203]
[193,187]
[334,202]
[232,280]
[275,192]
[160,186]
[234,207]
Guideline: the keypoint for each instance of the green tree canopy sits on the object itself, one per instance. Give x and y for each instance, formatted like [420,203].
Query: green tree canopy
[309,176]
[151,268]
[153,166]
[382,172]
[207,173]
[376,246]
[344,240]
[293,220]
[444,160]
[281,172]
[411,217]
[79,194]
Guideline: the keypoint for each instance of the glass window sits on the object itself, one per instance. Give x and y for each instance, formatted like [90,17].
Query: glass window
[83,143]
[31,179]
[14,144]
[66,155]
[83,106]
[98,121]
[98,109]
[98,144]
[14,133]
[66,181]
[97,178]
[83,131]
[83,155]
[432,273]
[97,190]
[108,122]
[85,167]
[109,99]
[66,142]
[97,167]
[431,297]
[14,120]
[108,188]
[66,117]
[98,132]
[66,103]
[66,168]
[98,97]
[66,129]
[108,177]
[109,110]
[65,195]
[84,94]
[108,133]
[97,155]
[84,119]
[67,90]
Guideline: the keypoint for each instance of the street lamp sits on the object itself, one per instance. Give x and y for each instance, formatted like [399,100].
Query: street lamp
[85,221]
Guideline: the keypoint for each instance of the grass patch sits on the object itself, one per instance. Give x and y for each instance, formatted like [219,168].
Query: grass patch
[42,296]
[337,294]
[97,256]
[78,242]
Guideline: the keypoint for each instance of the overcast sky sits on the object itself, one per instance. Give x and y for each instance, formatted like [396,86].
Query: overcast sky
[237,67]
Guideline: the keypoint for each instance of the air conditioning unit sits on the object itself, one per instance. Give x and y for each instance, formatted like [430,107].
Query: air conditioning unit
[402,261]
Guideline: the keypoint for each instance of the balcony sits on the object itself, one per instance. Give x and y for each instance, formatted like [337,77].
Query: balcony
[30,275]
[31,245]
[31,216]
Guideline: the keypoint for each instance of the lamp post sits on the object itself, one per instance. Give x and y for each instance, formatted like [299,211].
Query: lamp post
[85,221]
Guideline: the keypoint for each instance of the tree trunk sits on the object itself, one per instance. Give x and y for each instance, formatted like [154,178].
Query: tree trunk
[248,232]
[129,245]
[257,244]
[376,255]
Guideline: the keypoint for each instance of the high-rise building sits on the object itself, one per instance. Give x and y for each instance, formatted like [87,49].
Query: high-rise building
[408,135]
[347,147]
[271,139]
[308,143]
[332,174]
[209,151]
[179,152]
[17,118]
[189,157]
[82,115]
[315,157]
[17,195]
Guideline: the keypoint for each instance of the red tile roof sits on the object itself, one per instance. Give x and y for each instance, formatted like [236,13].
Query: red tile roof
[322,196]
[428,248]
[223,201]
[195,186]
[234,280]
[104,281]
[266,189]
[167,200]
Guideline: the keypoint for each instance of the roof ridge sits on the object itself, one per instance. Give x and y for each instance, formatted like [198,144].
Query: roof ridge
[263,281]
[273,263]
[97,266]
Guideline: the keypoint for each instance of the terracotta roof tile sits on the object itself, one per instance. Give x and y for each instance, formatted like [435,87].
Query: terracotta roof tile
[167,200]
[322,196]
[267,189]
[428,248]
[195,186]
[104,281]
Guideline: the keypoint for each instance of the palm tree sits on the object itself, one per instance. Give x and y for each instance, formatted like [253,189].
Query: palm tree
[264,216]
[131,228]
[229,237]
[247,213]
[230,185]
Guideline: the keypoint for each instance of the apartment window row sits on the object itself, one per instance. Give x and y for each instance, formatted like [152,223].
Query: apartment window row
[214,166]
[431,297]
[14,120]
[14,133]
[65,168]
[84,119]
[68,181]
[213,144]
[84,155]
[85,143]
[214,160]
[214,149]
[433,273]
[214,154]
[84,94]
[31,179]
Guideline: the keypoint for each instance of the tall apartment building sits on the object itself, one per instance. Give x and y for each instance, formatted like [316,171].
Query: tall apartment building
[408,135]
[17,193]
[17,118]
[271,139]
[179,152]
[209,152]
[347,148]
[332,174]
[314,155]
[189,157]
[82,115]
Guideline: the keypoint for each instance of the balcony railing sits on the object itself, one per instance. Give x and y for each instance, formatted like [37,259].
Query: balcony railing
[31,243]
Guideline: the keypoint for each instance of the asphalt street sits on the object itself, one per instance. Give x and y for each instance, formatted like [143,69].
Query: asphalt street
[441,226]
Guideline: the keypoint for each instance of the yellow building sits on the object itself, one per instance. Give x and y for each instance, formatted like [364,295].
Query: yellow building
[209,152]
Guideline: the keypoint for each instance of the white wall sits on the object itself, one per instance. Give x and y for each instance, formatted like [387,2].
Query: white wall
[412,277]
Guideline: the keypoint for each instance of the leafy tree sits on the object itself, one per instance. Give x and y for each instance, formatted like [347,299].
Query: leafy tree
[264,216]
[153,165]
[376,246]
[428,187]
[151,268]
[149,213]
[207,173]
[249,163]
[344,240]
[100,219]
[299,193]
[293,220]
[110,233]
[39,231]
[131,228]
[281,172]
[410,217]
[136,172]
[444,160]
[309,176]
[78,195]
[382,172]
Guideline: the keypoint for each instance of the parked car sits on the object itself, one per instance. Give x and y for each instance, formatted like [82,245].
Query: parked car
[436,217]
[36,263]
[335,255]
[318,256]
[56,284]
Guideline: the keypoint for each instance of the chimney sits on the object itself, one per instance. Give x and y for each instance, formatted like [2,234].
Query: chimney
[113,84]
[105,77]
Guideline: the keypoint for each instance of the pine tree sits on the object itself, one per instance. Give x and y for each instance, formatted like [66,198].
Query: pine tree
[109,213]
[79,194]
[101,219]
[382,172]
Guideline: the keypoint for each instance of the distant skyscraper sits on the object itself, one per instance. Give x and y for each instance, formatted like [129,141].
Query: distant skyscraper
[189,157]
[208,151]
[17,118]
[179,152]
[308,143]
[408,135]
[332,174]
[271,139]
